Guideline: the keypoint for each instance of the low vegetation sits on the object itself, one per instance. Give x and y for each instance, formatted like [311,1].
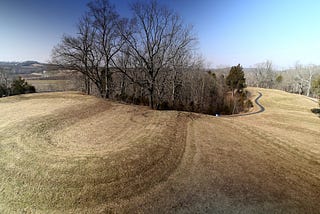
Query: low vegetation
[316,111]
[18,86]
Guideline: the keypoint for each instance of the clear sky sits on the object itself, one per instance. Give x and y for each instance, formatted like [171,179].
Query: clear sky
[229,31]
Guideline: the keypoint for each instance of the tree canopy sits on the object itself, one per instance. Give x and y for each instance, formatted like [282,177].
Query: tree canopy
[236,80]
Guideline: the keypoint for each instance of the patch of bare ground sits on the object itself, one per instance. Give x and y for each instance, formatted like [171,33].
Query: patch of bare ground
[71,153]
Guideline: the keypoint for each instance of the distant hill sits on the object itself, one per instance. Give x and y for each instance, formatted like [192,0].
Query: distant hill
[29,63]
[27,67]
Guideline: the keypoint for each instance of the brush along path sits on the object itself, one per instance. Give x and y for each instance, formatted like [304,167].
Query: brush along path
[72,153]
[254,111]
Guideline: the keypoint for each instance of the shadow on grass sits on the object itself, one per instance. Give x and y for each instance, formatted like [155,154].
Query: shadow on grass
[316,111]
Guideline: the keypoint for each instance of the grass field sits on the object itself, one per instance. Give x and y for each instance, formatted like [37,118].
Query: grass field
[72,153]
[52,85]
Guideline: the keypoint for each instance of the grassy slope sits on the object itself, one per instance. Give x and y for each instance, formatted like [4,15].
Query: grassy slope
[67,152]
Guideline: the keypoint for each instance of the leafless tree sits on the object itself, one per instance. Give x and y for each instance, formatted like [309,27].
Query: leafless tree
[149,59]
[264,74]
[4,79]
[92,50]
[78,53]
[4,83]
[107,39]
[156,38]
[303,77]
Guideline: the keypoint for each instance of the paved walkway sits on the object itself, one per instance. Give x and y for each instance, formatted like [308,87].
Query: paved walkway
[262,109]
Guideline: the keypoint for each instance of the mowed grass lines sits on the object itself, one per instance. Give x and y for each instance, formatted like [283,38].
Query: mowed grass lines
[61,152]
[263,163]
[72,153]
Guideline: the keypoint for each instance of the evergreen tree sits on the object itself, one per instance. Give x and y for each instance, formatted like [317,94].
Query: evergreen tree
[20,86]
[279,79]
[235,80]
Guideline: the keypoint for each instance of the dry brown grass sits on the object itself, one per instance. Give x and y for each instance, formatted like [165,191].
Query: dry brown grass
[71,153]
[52,85]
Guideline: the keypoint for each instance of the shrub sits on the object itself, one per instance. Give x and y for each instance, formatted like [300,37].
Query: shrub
[315,110]
[3,90]
[30,89]
[164,106]
[248,104]
[20,86]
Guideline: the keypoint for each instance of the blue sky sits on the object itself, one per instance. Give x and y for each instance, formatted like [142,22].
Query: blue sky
[229,31]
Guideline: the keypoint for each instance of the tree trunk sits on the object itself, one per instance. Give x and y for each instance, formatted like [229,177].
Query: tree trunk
[151,95]
[173,95]
[309,85]
[308,90]
[108,82]
[234,105]
[234,101]
[87,85]
[202,94]
[122,86]
[103,86]
[300,89]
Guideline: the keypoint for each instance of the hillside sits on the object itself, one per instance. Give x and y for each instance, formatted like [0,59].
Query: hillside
[68,152]
[27,67]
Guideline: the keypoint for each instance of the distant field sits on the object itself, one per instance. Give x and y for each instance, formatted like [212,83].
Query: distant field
[52,85]
[73,153]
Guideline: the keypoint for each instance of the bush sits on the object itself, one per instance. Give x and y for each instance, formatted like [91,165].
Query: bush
[315,110]
[3,90]
[20,86]
[248,104]
[164,106]
[30,89]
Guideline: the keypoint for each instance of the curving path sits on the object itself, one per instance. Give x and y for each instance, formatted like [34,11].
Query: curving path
[262,109]
[312,99]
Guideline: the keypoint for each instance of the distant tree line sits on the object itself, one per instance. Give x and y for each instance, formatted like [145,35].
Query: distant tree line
[301,79]
[149,59]
[16,86]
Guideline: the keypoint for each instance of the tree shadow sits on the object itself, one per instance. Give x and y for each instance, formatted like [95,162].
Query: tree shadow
[316,111]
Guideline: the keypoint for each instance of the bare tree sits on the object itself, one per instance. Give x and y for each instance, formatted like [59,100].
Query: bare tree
[149,59]
[4,83]
[316,87]
[264,74]
[4,79]
[158,36]
[108,41]
[91,52]
[304,75]
[78,53]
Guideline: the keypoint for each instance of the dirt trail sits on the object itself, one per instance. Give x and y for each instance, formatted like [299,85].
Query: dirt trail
[93,156]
